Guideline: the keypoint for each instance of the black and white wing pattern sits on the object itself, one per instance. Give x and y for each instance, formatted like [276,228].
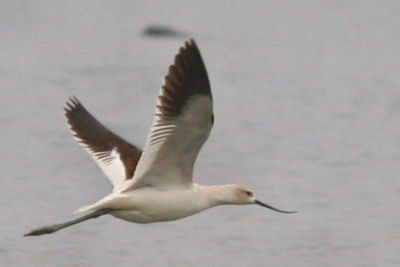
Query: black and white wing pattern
[182,123]
[116,157]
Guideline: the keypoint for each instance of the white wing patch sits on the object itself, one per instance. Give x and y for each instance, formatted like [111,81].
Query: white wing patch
[182,122]
[172,146]
[161,132]
[109,161]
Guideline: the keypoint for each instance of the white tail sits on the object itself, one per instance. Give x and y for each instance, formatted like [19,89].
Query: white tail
[84,209]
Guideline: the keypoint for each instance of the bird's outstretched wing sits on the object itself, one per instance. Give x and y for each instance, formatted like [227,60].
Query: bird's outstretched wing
[182,123]
[116,157]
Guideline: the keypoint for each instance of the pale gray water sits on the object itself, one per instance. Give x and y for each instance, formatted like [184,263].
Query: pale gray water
[307,107]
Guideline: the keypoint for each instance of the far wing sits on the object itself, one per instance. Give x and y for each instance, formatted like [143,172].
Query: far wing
[116,157]
[182,124]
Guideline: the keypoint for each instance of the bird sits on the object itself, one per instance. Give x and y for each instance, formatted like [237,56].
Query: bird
[156,184]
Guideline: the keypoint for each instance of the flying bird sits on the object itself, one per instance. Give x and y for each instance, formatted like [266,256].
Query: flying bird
[156,184]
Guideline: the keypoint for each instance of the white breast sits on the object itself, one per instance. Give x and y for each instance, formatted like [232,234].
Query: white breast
[148,205]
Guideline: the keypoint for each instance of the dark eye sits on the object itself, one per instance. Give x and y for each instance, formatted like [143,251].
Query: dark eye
[248,193]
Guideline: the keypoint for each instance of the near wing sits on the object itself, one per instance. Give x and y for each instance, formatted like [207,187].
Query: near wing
[116,157]
[182,123]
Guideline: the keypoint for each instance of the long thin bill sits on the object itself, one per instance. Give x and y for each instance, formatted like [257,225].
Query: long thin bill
[272,208]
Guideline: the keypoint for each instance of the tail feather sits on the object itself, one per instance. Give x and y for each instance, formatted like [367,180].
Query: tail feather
[84,209]
[101,204]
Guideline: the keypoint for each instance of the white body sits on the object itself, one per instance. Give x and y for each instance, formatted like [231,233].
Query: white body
[148,204]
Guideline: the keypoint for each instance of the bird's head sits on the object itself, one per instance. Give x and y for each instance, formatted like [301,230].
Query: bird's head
[241,195]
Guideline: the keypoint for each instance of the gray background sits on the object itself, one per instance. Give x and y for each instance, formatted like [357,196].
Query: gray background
[307,107]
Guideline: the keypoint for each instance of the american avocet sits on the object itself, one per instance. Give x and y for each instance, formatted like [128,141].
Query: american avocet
[156,184]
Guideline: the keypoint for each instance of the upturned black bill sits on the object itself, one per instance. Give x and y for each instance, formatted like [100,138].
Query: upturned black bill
[272,208]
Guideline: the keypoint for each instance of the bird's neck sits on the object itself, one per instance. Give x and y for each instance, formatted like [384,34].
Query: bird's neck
[217,194]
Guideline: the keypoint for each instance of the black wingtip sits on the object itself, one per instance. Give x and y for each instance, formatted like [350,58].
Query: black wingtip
[73,100]
[191,42]
[71,104]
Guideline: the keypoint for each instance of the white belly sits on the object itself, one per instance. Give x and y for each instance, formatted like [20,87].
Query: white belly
[151,205]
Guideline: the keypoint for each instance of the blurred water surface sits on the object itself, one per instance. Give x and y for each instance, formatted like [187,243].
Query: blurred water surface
[307,108]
